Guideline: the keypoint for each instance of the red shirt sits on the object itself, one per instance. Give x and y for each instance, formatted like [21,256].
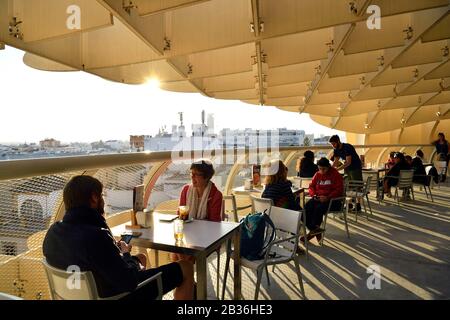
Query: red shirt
[330,184]
[213,206]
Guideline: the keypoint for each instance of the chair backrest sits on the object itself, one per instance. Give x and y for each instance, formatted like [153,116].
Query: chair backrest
[5,296]
[261,204]
[354,185]
[305,182]
[441,167]
[287,223]
[229,208]
[66,285]
[373,184]
[405,178]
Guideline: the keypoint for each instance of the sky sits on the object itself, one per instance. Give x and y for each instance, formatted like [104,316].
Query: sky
[80,107]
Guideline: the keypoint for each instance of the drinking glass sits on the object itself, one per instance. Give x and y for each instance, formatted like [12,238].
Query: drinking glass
[178,227]
[183,212]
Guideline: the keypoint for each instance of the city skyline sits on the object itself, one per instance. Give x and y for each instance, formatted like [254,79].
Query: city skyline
[79,107]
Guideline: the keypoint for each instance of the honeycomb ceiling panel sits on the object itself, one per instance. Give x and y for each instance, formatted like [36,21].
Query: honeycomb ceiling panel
[318,57]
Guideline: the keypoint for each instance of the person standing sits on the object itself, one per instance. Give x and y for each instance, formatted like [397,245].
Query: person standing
[352,163]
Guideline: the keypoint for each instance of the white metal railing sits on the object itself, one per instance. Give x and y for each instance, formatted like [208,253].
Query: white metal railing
[14,169]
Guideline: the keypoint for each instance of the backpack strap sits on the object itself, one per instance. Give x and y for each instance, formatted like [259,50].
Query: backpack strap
[269,222]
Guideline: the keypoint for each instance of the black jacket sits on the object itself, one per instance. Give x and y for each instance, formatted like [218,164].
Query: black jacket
[281,194]
[83,239]
[307,168]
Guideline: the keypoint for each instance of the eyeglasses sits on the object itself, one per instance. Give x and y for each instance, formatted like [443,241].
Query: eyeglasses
[196,174]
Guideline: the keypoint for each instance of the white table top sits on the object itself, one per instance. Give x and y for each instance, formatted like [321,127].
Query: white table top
[199,235]
[242,190]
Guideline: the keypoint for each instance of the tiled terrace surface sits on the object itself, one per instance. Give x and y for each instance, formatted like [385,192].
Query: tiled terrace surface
[410,243]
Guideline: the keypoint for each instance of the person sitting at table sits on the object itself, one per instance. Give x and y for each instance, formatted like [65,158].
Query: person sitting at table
[202,196]
[326,184]
[391,161]
[278,187]
[84,239]
[419,170]
[306,168]
[391,179]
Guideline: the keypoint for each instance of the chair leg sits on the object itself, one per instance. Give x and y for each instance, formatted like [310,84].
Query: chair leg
[267,275]
[431,195]
[218,274]
[364,205]
[306,242]
[227,267]
[299,276]
[344,213]
[412,193]
[397,196]
[324,223]
[368,204]
[259,273]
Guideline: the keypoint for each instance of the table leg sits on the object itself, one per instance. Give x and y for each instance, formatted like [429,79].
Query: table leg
[237,264]
[200,263]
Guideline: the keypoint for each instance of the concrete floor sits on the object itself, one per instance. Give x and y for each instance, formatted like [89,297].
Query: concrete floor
[409,243]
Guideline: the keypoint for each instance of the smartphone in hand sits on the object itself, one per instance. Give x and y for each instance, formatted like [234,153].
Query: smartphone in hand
[126,238]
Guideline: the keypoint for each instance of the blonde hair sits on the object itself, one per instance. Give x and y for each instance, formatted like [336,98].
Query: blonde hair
[279,176]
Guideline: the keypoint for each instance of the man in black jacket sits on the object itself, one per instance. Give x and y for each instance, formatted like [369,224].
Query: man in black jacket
[84,239]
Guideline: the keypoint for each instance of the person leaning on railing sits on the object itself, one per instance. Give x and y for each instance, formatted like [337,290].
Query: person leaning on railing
[326,184]
[84,239]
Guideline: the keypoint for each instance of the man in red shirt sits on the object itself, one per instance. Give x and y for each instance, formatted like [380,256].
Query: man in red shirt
[326,184]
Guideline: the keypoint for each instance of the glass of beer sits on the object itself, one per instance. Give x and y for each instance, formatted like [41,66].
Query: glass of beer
[178,227]
[183,212]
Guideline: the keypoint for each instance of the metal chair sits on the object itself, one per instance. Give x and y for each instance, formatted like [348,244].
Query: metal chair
[341,211]
[373,185]
[229,202]
[441,167]
[304,183]
[5,296]
[283,249]
[359,190]
[425,183]
[87,289]
[405,182]
[261,204]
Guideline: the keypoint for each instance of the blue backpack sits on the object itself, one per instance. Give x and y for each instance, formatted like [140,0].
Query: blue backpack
[257,232]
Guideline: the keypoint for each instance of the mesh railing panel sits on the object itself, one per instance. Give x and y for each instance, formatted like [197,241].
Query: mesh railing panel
[27,208]
[118,184]
[169,184]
